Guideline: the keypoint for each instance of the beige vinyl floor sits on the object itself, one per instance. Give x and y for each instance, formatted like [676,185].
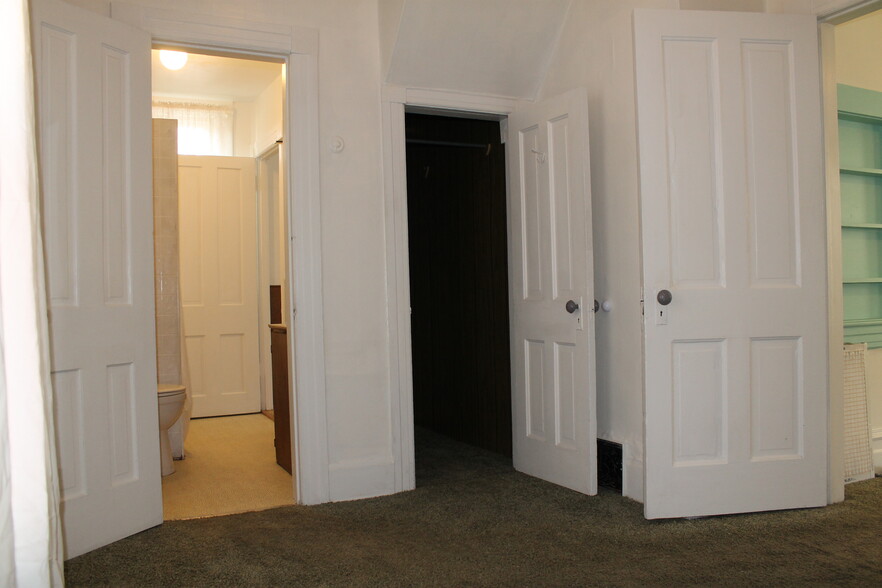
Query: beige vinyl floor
[230,467]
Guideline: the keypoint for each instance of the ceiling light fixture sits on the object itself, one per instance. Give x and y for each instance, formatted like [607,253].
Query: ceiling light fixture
[173,60]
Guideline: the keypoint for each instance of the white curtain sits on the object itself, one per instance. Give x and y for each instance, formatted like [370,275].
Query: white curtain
[30,528]
[203,129]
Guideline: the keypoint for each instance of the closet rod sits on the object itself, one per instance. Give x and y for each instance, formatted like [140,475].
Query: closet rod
[447,143]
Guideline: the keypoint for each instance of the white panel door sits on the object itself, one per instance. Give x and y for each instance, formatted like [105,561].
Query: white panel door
[93,93]
[551,265]
[732,205]
[219,286]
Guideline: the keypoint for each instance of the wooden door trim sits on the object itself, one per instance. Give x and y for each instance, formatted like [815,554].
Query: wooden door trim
[400,368]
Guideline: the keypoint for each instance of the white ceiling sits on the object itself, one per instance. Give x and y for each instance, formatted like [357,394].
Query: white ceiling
[214,78]
[497,47]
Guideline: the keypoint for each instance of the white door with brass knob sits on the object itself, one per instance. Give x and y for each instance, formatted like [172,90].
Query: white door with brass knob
[732,203]
[551,277]
[93,111]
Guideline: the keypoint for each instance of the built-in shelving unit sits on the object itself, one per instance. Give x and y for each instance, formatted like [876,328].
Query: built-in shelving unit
[860,173]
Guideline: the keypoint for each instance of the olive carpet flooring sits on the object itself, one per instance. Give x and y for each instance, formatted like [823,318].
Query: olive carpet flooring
[474,521]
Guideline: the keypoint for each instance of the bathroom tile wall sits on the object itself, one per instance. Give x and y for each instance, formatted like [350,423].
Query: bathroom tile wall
[165,250]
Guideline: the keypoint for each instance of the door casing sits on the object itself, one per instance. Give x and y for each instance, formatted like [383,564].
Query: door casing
[395,100]
[297,47]
[271,243]
[836,397]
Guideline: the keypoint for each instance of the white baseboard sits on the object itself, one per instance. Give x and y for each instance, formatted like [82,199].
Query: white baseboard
[351,480]
[632,475]
[876,445]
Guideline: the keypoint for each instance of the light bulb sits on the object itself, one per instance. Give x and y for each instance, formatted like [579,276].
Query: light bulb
[173,60]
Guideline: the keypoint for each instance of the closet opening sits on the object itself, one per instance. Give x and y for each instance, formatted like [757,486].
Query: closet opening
[458,262]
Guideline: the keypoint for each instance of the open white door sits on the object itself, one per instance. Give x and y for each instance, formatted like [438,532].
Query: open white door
[732,205]
[93,93]
[218,220]
[551,286]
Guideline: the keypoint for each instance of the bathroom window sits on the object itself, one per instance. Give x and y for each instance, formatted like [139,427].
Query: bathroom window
[203,129]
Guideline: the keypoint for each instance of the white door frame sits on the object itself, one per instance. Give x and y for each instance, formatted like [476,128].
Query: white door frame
[298,47]
[836,399]
[400,368]
[265,245]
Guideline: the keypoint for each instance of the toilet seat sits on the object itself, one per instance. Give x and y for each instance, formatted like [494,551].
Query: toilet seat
[169,389]
[171,399]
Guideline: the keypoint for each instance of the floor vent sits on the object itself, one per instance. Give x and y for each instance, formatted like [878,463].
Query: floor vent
[858,451]
[609,465]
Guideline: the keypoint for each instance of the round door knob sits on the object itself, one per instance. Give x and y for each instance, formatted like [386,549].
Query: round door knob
[572,306]
[664,297]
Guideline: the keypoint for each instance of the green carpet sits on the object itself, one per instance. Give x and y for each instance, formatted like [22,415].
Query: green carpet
[474,521]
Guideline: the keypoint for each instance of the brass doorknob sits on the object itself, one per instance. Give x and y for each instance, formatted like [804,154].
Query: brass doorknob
[664,297]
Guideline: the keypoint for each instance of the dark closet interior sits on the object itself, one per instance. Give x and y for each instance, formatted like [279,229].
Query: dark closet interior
[459,279]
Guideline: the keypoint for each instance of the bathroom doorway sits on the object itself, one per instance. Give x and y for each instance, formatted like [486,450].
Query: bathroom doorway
[225,225]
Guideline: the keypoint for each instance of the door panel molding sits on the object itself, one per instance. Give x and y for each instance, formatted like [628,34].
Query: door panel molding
[93,114]
[220,300]
[554,422]
[736,373]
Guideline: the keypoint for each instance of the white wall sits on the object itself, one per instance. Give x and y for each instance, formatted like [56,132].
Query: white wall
[268,110]
[388,16]
[874,394]
[859,52]
[257,123]
[488,47]
[358,412]
[243,130]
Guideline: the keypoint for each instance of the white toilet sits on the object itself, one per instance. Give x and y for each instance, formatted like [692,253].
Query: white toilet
[171,404]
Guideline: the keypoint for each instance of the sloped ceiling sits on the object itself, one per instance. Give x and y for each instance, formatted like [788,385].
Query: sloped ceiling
[495,47]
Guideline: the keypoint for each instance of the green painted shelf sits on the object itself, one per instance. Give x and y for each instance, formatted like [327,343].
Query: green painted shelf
[861,171]
[864,323]
[860,135]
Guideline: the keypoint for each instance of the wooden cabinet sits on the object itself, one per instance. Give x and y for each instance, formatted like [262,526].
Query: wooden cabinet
[860,139]
[281,405]
[281,394]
